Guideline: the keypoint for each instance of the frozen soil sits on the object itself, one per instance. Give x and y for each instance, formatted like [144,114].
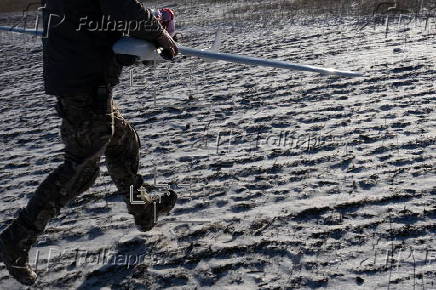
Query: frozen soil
[286,180]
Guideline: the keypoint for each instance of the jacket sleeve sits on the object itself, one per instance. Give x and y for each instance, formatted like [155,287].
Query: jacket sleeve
[141,22]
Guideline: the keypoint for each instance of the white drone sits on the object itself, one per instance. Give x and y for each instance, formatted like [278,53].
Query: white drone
[147,51]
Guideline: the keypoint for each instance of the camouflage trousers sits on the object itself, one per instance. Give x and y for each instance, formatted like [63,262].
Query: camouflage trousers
[91,126]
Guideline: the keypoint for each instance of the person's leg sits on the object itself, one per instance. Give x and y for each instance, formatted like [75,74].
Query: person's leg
[122,154]
[122,159]
[87,127]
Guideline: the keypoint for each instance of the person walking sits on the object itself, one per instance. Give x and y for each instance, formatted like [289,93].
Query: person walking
[81,70]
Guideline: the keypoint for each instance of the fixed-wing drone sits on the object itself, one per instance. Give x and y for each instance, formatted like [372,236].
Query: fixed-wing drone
[144,50]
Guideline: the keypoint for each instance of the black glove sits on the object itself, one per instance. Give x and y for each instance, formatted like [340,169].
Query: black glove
[168,45]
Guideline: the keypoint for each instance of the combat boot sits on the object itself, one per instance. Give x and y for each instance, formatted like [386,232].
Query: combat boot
[148,203]
[15,243]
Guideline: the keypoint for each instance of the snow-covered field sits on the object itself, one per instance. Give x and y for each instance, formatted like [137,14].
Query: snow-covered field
[287,180]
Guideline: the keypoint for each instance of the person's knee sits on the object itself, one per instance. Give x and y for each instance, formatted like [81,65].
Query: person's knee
[86,178]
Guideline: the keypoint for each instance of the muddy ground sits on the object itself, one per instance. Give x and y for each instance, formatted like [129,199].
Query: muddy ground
[287,180]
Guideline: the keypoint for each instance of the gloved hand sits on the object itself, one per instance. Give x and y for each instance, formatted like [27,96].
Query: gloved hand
[168,45]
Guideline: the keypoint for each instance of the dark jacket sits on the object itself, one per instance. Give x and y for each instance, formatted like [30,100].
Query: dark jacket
[78,60]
